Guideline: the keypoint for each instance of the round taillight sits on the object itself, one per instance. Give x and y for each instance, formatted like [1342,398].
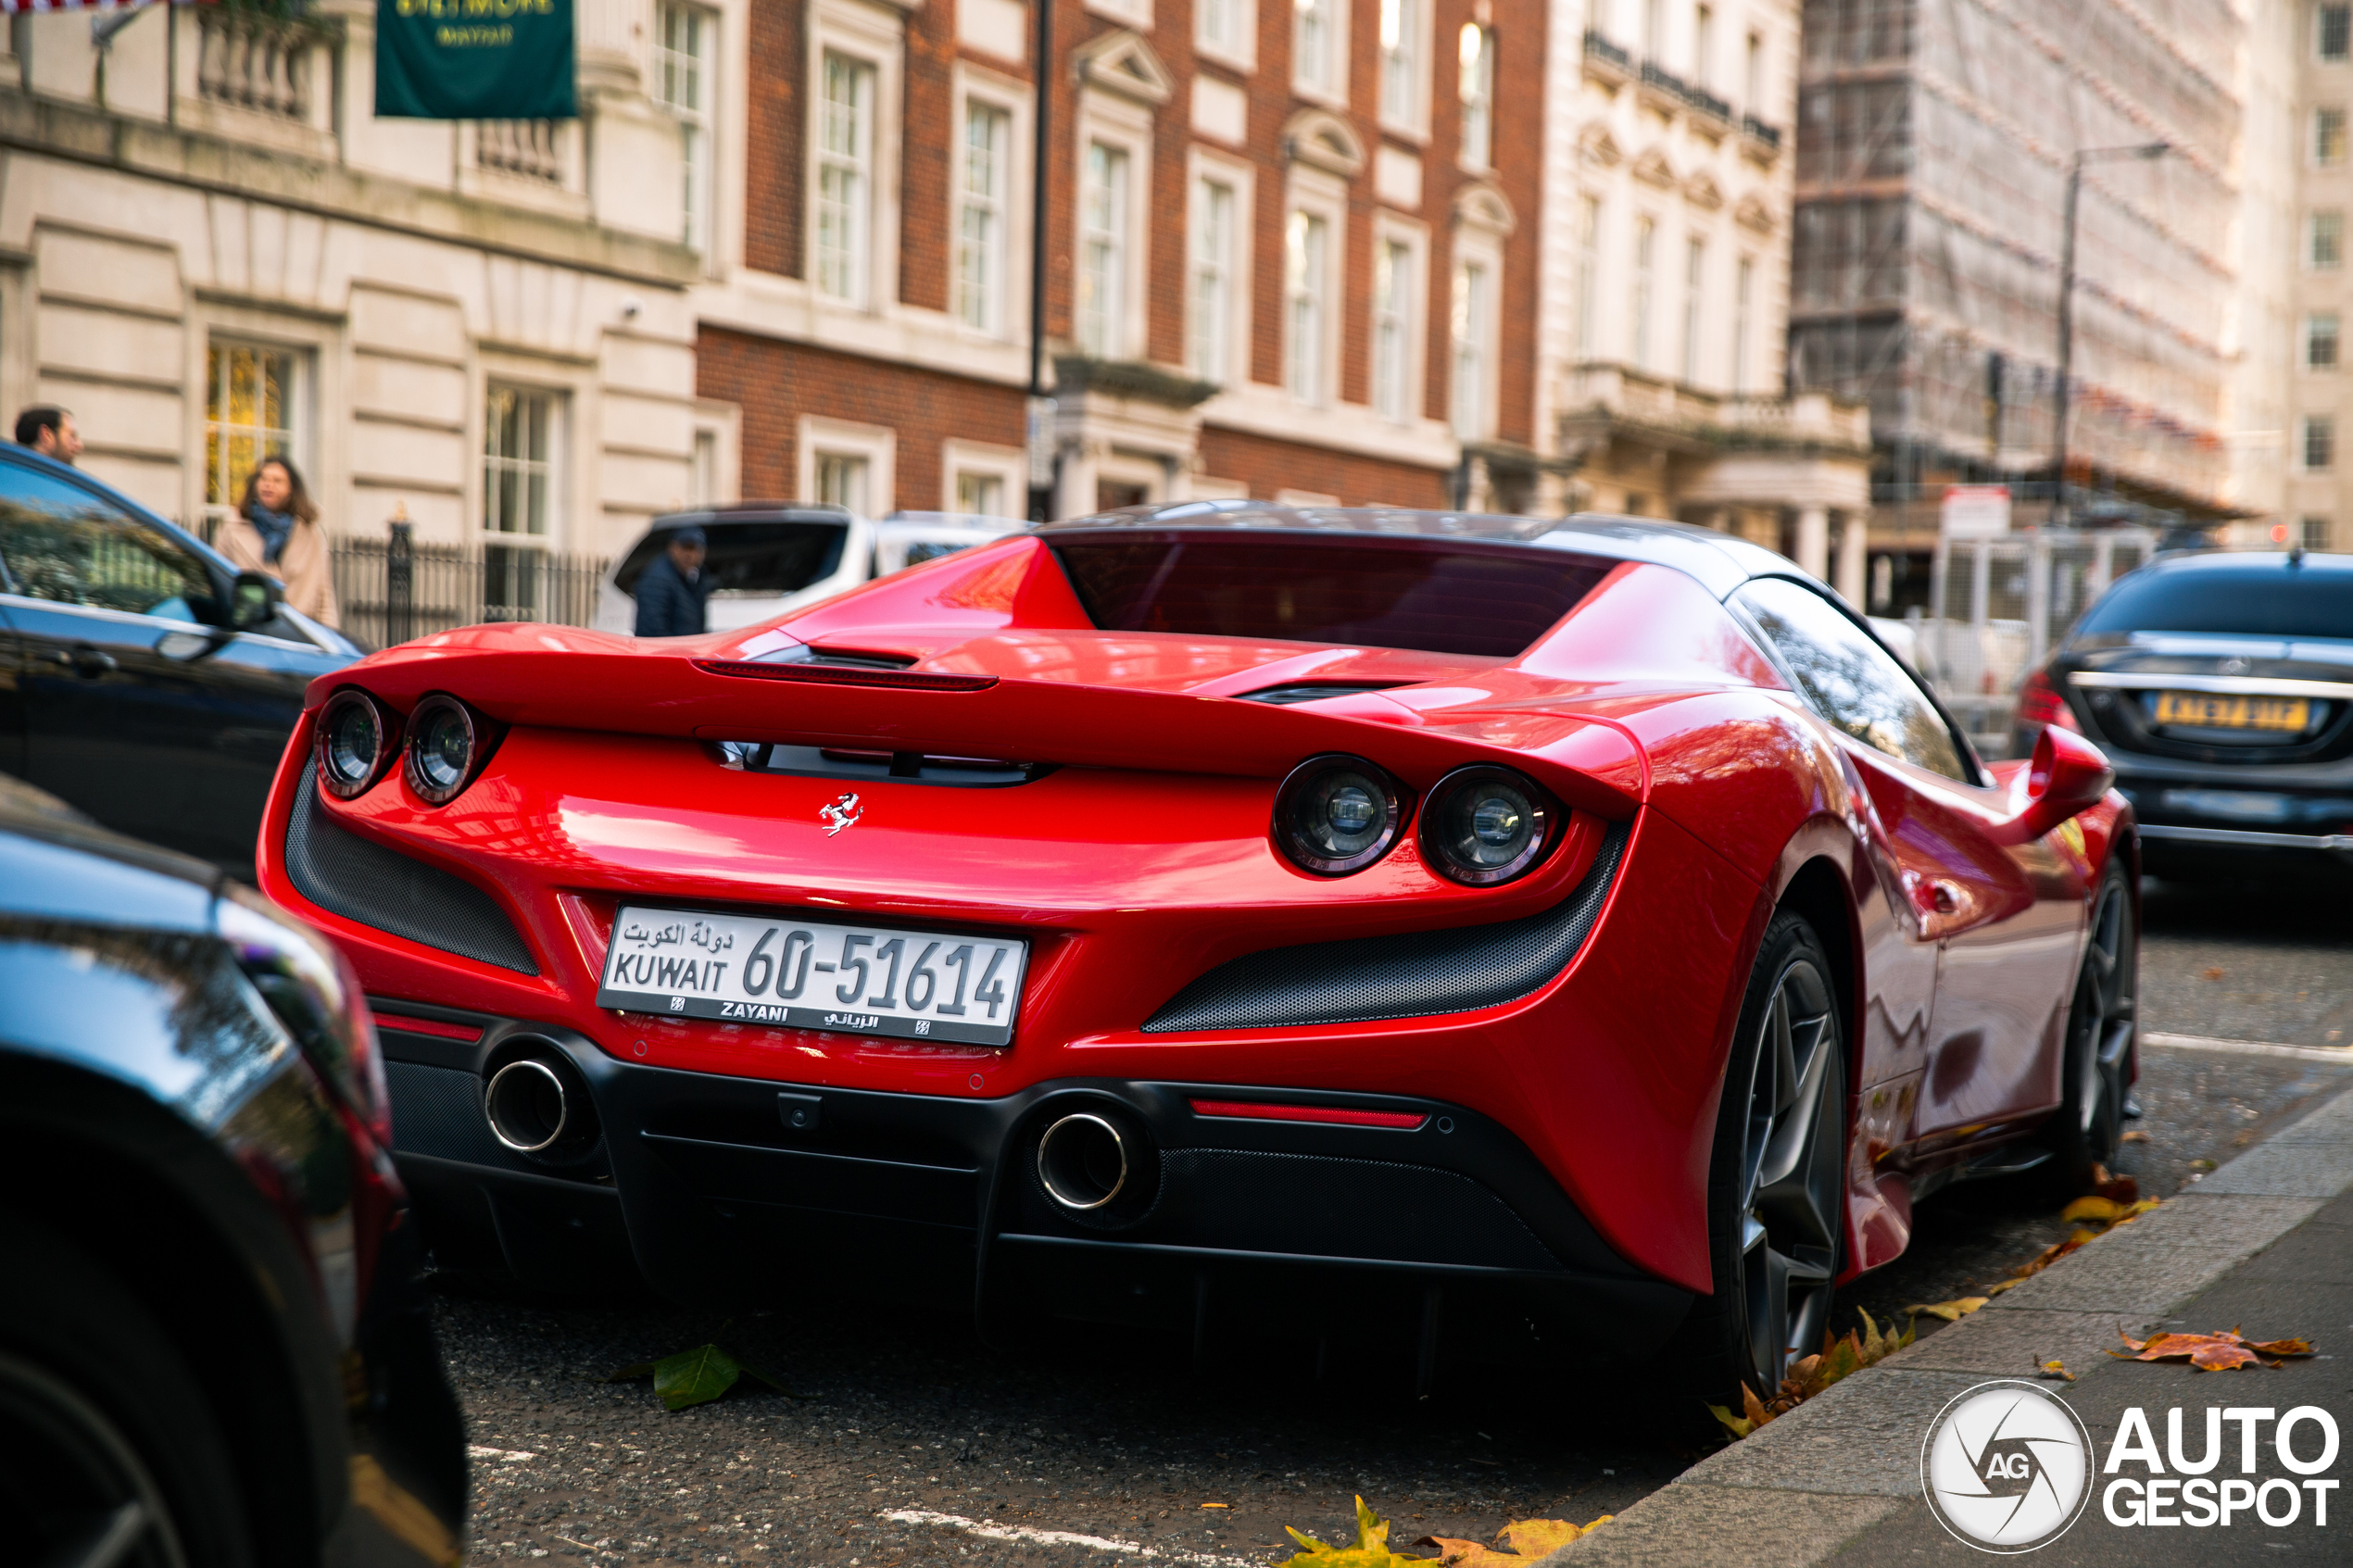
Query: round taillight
[445,748]
[1338,814]
[1487,825]
[353,744]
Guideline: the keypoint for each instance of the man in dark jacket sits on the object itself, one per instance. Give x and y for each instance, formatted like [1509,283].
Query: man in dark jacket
[671,591]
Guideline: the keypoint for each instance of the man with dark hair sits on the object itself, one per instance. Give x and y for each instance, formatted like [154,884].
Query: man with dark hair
[49,430]
[672,590]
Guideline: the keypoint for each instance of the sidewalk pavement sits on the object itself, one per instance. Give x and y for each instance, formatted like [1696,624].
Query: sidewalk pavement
[2265,1242]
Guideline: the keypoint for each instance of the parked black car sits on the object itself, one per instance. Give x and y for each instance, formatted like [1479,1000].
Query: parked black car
[213,1346]
[2220,686]
[143,679]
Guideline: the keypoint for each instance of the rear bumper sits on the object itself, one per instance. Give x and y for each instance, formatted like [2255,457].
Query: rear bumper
[700,1185]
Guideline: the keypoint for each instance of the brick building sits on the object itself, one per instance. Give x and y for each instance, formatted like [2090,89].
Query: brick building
[1292,251]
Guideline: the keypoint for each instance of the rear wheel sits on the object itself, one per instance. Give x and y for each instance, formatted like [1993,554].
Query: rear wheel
[1775,1221]
[108,1452]
[2098,1053]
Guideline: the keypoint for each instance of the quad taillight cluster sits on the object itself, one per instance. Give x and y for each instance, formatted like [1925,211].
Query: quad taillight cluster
[439,748]
[1482,826]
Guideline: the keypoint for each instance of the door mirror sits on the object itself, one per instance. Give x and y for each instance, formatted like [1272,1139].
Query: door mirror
[2065,777]
[254,599]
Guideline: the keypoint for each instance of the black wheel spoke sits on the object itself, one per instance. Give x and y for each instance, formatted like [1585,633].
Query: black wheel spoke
[1791,1172]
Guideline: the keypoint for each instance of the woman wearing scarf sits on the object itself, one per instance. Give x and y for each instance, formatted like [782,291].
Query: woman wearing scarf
[276,530]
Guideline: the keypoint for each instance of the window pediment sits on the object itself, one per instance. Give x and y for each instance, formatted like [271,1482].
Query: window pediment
[1323,140]
[1598,147]
[1753,214]
[1702,192]
[1652,168]
[1481,206]
[1122,63]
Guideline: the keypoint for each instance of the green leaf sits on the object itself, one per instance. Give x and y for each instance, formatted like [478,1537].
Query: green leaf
[1733,1424]
[1372,1531]
[1307,1543]
[696,1376]
[630,1373]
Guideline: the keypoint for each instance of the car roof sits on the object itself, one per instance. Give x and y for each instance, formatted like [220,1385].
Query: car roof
[724,514]
[2249,561]
[1719,561]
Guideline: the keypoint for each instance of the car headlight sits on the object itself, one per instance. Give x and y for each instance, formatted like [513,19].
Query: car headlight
[446,746]
[311,991]
[354,744]
[1486,825]
[1338,814]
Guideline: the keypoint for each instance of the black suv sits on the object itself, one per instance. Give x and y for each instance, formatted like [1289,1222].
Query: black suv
[143,679]
[2220,686]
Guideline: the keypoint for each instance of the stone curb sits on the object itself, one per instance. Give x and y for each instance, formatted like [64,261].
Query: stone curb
[1796,1491]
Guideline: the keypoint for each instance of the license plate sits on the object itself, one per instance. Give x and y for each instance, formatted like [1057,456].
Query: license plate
[795,974]
[2206,710]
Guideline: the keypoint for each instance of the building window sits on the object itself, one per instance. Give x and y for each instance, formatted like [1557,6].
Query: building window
[2314,532]
[1102,241]
[2320,340]
[2332,30]
[980,218]
[1645,245]
[1655,31]
[1478,54]
[1213,322]
[249,415]
[1694,275]
[2319,442]
[703,479]
[518,497]
[1392,329]
[981,495]
[2324,242]
[1743,304]
[1474,311]
[841,480]
[1306,242]
[682,85]
[2328,137]
[1589,275]
[1702,46]
[845,177]
[1226,29]
[1316,44]
[1400,61]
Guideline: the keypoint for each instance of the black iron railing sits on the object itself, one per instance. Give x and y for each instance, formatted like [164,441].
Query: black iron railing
[1600,48]
[394,589]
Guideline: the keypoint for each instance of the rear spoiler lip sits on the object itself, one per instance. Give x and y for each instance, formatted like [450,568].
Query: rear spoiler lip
[1591,761]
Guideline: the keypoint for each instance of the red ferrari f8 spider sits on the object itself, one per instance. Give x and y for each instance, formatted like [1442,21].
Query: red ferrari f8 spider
[1206,907]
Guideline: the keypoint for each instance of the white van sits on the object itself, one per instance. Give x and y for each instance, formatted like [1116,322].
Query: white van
[905,539]
[766,558]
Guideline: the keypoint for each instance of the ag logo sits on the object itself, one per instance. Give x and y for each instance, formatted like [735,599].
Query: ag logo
[842,814]
[2007,1467]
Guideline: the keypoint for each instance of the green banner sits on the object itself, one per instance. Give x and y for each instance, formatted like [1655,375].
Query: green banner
[475,59]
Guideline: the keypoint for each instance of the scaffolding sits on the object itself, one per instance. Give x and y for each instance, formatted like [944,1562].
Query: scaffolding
[1934,143]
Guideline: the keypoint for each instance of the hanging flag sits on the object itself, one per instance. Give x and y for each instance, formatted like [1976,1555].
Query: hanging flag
[475,59]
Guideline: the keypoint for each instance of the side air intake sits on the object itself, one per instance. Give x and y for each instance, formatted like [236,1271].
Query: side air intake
[1411,975]
[366,881]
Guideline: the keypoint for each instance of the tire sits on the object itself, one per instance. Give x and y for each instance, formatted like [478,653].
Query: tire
[2096,1057]
[1776,1212]
[103,1433]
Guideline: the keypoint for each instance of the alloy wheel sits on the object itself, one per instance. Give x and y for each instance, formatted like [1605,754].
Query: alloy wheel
[1791,1171]
[2102,1022]
[72,1483]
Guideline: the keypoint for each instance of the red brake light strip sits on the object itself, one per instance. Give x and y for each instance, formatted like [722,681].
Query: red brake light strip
[847,675]
[432,1026]
[1339,1116]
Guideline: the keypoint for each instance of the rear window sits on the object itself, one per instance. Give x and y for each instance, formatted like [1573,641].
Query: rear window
[752,557]
[1437,595]
[2268,599]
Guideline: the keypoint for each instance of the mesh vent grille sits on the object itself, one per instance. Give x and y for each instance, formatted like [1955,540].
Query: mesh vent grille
[366,881]
[1411,975]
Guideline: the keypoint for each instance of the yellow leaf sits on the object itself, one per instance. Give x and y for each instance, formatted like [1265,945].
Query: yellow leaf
[1950,1311]
[1538,1538]
[2099,1209]
[1372,1531]
[1733,1424]
[2055,1370]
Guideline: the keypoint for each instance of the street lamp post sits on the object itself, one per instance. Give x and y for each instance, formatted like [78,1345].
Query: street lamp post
[2067,301]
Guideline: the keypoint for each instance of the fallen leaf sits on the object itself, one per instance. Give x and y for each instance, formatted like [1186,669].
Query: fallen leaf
[2104,1210]
[2057,1369]
[1837,1359]
[2211,1352]
[696,1376]
[2135,1135]
[2201,1164]
[1950,1311]
[1371,1549]
[2212,974]
[1523,1540]
[2118,1189]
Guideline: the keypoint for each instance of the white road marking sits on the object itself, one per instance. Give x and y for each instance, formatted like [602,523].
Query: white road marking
[476,1451]
[991,1530]
[2245,1047]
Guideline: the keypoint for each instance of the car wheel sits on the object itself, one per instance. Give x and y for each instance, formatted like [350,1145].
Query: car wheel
[1776,1179]
[2100,1035]
[108,1452]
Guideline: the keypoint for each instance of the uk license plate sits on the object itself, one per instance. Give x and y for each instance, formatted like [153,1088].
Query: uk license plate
[2207,710]
[792,973]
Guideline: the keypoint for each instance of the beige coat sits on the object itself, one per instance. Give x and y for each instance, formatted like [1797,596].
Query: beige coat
[303,566]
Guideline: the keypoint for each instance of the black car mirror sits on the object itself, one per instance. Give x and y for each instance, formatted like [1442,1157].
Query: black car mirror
[254,599]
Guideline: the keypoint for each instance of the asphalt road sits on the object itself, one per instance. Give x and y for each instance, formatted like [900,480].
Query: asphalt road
[1110,1444]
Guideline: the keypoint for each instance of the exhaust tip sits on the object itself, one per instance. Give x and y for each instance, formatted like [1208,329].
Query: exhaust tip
[1083,1162]
[529,1105]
